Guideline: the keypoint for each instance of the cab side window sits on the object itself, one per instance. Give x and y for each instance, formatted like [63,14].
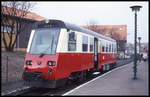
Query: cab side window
[72,41]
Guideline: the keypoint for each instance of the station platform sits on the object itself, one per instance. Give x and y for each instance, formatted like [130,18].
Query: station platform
[118,81]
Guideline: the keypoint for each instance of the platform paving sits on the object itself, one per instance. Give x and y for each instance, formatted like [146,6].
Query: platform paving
[117,82]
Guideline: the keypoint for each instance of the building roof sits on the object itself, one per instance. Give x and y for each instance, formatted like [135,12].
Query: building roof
[35,16]
[30,15]
[119,32]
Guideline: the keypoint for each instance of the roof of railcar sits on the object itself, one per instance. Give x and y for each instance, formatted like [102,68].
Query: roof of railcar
[66,25]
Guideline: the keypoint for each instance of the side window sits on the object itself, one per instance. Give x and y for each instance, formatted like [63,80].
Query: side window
[109,47]
[106,46]
[91,44]
[100,46]
[103,46]
[115,49]
[72,41]
[84,43]
[112,48]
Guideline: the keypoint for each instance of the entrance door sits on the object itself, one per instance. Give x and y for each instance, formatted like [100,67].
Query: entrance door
[96,53]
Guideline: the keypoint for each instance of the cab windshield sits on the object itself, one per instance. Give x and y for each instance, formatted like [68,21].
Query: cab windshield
[45,41]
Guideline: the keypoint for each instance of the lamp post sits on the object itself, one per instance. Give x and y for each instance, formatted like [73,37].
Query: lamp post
[139,38]
[135,9]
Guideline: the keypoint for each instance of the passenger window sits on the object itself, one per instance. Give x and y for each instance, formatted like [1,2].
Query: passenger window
[72,41]
[103,46]
[91,44]
[84,43]
[109,47]
[115,49]
[100,46]
[112,48]
[106,47]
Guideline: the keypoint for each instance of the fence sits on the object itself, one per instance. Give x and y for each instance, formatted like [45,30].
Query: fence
[12,66]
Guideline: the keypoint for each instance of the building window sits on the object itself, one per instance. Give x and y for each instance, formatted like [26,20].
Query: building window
[5,28]
[72,41]
[120,29]
[84,43]
[91,44]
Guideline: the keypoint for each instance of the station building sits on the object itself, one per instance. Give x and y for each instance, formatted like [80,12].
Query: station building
[23,37]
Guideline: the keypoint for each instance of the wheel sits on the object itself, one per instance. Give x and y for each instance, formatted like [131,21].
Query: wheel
[104,68]
[82,76]
[114,65]
[108,67]
[69,82]
[89,73]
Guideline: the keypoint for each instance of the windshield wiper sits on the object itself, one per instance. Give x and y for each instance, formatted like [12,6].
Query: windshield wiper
[42,53]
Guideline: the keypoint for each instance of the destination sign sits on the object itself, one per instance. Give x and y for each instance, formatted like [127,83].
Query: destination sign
[46,26]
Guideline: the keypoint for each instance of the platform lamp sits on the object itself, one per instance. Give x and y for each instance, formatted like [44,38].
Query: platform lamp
[135,9]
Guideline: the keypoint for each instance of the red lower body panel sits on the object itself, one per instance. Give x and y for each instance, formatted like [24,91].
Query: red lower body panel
[73,62]
[66,63]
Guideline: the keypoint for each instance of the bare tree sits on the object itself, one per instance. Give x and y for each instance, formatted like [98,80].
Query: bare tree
[114,34]
[13,15]
[102,30]
[93,25]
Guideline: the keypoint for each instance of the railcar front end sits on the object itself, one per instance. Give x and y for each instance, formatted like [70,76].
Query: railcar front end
[41,60]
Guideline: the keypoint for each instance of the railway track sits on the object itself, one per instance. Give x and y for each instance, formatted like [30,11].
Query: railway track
[60,90]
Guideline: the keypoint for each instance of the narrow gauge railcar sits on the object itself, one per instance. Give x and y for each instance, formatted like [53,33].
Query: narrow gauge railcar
[58,51]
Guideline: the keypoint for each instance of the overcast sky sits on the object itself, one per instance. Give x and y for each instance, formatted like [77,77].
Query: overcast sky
[104,13]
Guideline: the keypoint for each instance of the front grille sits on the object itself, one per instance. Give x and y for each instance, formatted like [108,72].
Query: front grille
[32,76]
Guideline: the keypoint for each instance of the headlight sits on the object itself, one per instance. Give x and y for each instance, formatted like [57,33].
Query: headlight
[51,63]
[29,62]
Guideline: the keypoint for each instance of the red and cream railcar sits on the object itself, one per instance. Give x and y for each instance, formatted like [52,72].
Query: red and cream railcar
[58,51]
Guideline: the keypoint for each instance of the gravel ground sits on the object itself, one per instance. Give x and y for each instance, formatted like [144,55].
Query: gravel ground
[15,66]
